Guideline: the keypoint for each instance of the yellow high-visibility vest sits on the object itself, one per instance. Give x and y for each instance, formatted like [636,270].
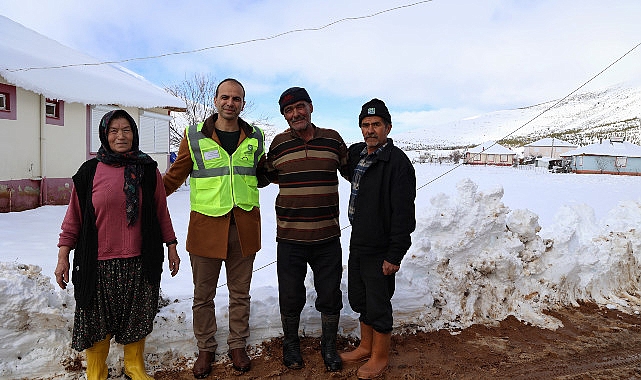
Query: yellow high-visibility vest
[219,181]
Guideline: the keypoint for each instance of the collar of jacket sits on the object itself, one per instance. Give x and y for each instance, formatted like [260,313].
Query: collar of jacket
[209,126]
[385,154]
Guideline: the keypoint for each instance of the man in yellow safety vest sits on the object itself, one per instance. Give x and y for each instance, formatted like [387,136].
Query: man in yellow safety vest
[220,155]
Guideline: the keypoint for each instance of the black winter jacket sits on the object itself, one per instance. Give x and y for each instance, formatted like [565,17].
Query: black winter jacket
[384,216]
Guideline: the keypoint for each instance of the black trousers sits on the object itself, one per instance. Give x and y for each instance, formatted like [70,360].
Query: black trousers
[370,291]
[325,260]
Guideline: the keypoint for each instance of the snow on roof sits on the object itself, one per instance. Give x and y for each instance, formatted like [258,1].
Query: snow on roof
[607,148]
[491,147]
[22,48]
[551,141]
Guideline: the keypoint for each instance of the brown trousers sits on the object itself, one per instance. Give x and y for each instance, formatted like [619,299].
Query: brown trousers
[205,275]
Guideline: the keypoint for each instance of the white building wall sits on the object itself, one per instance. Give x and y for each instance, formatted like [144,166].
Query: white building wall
[66,146]
[546,151]
[20,142]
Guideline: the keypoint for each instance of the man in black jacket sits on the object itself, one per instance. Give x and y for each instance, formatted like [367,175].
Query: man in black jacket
[381,211]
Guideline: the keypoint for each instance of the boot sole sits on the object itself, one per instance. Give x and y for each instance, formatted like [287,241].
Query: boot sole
[372,376]
[202,375]
[295,365]
[355,361]
[332,369]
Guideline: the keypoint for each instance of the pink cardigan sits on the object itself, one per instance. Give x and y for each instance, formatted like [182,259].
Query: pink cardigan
[115,238]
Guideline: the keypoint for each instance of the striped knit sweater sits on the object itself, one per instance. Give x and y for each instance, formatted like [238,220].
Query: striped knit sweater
[307,204]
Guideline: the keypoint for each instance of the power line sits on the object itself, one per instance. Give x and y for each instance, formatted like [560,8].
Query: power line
[273,262]
[311,29]
[514,131]
[542,112]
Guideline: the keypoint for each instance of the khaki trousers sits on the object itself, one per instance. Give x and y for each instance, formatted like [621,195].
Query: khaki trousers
[205,275]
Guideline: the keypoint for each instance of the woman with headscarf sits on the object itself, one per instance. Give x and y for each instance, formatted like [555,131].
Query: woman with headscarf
[116,223]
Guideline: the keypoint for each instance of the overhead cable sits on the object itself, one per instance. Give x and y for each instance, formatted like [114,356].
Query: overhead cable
[514,131]
[540,113]
[311,29]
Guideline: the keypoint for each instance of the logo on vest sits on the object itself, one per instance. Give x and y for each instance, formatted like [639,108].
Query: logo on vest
[212,154]
[248,153]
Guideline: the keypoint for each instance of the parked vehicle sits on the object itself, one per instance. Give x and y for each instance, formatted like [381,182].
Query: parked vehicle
[559,166]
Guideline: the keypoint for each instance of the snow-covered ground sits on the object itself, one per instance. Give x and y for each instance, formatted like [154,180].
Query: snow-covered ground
[490,242]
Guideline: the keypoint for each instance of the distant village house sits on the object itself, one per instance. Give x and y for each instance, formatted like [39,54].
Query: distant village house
[613,156]
[490,153]
[548,147]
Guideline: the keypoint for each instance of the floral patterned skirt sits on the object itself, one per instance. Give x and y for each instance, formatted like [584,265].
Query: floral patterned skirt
[123,306]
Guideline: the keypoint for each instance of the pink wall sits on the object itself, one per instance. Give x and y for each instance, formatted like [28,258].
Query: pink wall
[26,194]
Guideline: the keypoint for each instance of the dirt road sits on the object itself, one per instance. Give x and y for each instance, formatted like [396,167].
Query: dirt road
[593,344]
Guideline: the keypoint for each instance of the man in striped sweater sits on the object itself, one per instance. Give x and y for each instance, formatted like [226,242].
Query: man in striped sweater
[304,161]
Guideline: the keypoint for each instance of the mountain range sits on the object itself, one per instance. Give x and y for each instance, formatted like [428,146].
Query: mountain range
[581,119]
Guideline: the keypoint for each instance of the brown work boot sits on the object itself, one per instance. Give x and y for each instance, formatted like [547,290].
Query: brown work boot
[202,366]
[377,363]
[240,360]
[364,349]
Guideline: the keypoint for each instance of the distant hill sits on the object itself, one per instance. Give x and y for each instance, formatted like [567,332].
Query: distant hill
[581,119]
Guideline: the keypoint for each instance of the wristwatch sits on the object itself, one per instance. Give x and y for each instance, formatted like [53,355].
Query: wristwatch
[175,241]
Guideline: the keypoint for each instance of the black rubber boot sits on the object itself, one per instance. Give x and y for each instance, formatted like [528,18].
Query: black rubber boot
[331,357]
[291,342]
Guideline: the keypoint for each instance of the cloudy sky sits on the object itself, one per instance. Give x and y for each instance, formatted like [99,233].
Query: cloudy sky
[430,61]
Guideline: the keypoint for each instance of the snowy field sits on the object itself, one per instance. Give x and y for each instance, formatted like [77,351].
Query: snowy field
[490,242]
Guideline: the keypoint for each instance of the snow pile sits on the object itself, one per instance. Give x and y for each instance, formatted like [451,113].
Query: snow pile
[594,261]
[473,260]
[34,320]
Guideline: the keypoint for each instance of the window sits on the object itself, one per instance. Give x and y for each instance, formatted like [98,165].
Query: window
[621,162]
[97,112]
[504,158]
[490,158]
[8,102]
[154,132]
[55,111]
[51,108]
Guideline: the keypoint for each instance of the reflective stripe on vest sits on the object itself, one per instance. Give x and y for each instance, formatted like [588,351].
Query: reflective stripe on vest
[219,181]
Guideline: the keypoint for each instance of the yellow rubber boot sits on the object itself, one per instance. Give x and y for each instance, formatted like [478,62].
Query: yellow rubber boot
[379,360]
[135,361]
[364,349]
[97,360]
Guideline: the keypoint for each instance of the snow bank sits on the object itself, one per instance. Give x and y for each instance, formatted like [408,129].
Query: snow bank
[34,320]
[473,261]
